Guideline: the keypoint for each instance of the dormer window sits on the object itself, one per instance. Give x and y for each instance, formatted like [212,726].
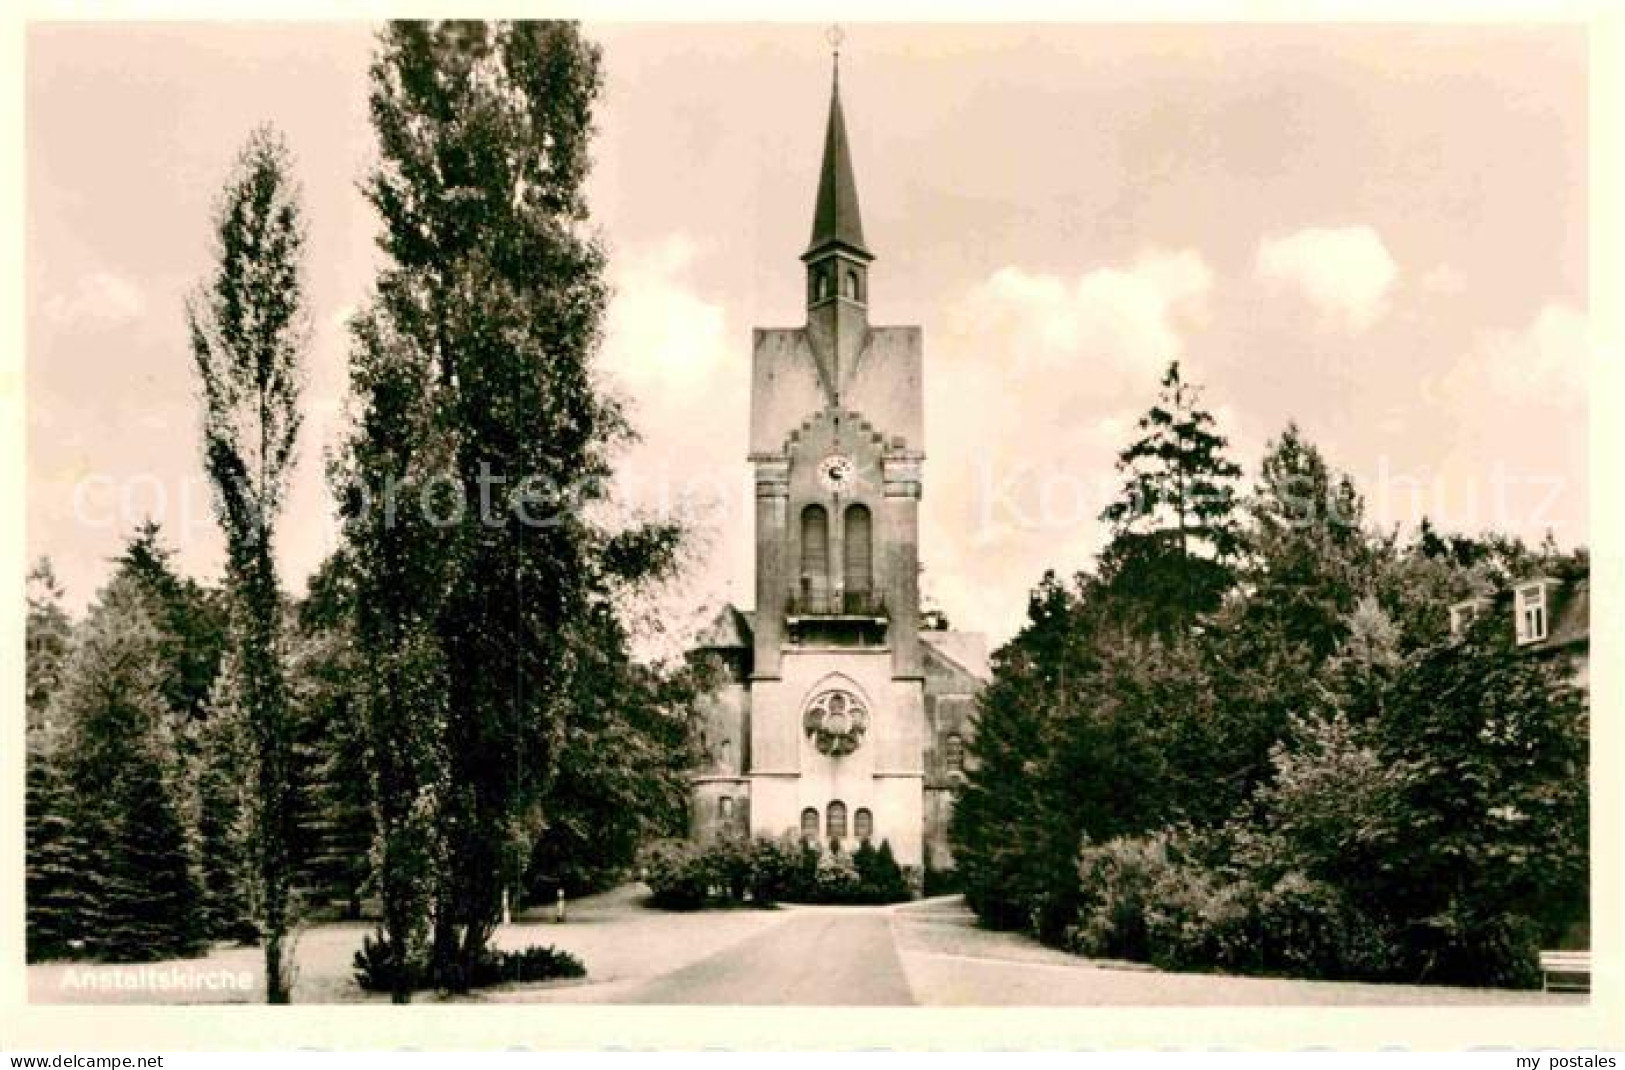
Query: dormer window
[1462,615]
[1531,610]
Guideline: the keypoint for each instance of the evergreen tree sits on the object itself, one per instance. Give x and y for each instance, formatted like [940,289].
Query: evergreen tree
[1489,747]
[1007,851]
[247,332]
[1174,530]
[49,633]
[221,809]
[191,621]
[56,901]
[142,899]
[1309,560]
[335,811]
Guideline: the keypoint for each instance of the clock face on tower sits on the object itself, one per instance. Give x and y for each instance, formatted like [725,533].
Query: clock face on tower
[836,472]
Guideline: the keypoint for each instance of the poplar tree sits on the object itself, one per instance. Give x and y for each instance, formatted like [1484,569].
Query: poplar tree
[247,331]
[484,428]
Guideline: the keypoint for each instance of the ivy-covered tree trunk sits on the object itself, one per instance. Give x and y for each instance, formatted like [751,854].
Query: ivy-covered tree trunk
[247,331]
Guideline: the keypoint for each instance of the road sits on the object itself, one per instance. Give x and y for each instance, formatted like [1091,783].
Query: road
[813,957]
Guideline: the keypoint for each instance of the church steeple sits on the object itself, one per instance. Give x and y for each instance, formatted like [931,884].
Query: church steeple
[837,258]
[836,220]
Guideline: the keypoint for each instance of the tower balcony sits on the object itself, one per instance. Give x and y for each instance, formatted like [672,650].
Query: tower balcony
[859,605]
[837,618]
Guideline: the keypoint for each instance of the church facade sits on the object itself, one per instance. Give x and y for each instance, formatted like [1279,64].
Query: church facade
[839,717]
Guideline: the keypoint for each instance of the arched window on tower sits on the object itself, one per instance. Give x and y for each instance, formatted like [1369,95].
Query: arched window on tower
[725,808]
[814,554]
[859,571]
[809,824]
[835,825]
[820,284]
[863,825]
[852,285]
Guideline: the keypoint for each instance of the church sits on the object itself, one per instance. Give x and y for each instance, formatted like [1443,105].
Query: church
[840,715]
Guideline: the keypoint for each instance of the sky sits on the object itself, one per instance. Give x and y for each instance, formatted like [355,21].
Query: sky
[1379,232]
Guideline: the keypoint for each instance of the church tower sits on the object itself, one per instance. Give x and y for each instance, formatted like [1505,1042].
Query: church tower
[836,429]
[839,719]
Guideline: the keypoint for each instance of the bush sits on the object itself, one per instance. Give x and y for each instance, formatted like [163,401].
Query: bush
[1116,880]
[775,868]
[942,882]
[880,878]
[531,964]
[1308,928]
[837,878]
[377,966]
[730,871]
[678,873]
[1457,947]
[1195,921]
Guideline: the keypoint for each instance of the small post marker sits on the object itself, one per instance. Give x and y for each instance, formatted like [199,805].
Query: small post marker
[558,911]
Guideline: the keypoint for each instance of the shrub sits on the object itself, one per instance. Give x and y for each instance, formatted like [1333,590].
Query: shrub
[1194,921]
[377,965]
[678,874]
[880,878]
[943,882]
[837,878]
[1457,946]
[530,964]
[1308,928]
[775,867]
[1115,882]
[734,870]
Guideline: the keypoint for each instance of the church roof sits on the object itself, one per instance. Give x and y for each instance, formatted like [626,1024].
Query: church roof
[966,650]
[729,630]
[835,217]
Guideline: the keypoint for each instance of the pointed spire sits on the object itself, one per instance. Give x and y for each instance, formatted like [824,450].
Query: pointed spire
[835,218]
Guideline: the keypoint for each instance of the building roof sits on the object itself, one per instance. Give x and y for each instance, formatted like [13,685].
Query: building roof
[836,221]
[966,650]
[730,629]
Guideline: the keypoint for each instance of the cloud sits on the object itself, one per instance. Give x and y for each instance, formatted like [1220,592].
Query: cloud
[1445,281]
[1346,273]
[1552,354]
[685,382]
[100,297]
[1125,317]
[1031,387]
[660,337]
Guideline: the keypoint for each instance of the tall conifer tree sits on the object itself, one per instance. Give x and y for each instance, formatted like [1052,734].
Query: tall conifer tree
[1175,535]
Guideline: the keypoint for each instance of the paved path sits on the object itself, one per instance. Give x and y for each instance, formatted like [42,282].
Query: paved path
[811,957]
[931,953]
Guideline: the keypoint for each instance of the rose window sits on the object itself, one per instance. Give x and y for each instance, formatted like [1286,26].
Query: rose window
[835,721]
